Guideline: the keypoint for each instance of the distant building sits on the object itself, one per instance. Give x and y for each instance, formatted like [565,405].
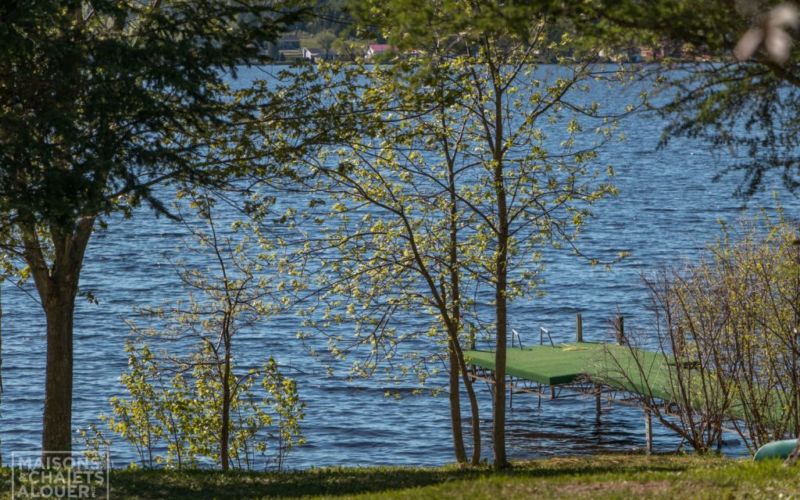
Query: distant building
[376,49]
[313,54]
[664,49]
[290,55]
[287,49]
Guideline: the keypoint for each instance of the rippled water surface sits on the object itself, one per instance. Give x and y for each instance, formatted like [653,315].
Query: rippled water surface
[668,209]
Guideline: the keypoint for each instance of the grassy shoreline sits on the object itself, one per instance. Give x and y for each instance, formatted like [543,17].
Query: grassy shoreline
[600,476]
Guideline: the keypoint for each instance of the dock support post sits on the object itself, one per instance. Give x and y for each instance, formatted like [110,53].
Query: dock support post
[620,328]
[597,402]
[648,431]
[579,328]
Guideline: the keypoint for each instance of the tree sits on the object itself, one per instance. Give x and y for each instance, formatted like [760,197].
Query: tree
[524,192]
[235,298]
[745,107]
[208,407]
[398,178]
[101,104]
[325,40]
[512,189]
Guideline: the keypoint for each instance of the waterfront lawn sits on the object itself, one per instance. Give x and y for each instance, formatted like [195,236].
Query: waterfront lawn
[603,476]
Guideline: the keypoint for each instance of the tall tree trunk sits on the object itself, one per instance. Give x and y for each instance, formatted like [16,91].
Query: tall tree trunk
[57,286]
[499,427]
[457,364]
[455,334]
[57,421]
[455,406]
[501,270]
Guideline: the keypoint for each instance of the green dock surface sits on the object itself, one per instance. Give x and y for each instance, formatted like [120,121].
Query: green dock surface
[647,373]
[619,367]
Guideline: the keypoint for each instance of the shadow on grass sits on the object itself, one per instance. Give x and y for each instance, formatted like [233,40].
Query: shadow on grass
[334,482]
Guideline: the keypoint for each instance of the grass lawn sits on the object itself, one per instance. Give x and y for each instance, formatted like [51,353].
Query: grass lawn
[604,476]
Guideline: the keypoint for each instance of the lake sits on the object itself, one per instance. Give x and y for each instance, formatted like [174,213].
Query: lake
[667,211]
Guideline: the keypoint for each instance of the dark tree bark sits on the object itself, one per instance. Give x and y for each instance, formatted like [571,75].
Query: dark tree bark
[224,435]
[501,270]
[57,425]
[455,327]
[499,427]
[455,406]
[473,404]
[57,285]
[231,304]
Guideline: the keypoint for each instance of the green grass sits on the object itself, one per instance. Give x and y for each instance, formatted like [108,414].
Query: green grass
[603,476]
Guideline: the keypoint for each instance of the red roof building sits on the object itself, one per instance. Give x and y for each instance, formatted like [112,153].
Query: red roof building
[378,48]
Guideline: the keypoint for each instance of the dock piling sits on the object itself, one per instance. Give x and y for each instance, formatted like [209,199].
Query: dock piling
[579,328]
[648,431]
[620,329]
[510,392]
[598,405]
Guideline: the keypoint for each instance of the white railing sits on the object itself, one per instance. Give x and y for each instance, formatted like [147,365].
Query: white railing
[542,332]
[515,333]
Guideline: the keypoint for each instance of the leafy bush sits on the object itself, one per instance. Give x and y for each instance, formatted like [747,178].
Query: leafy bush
[174,420]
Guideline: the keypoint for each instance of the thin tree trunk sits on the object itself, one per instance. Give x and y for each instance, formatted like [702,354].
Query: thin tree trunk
[226,336]
[501,268]
[456,427]
[499,428]
[455,406]
[458,365]
[473,404]
[224,435]
[795,455]
[455,340]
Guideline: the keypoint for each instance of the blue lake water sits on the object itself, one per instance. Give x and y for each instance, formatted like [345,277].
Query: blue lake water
[668,209]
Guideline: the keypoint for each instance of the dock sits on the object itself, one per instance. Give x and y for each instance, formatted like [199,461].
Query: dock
[620,373]
[617,373]
[613,366]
